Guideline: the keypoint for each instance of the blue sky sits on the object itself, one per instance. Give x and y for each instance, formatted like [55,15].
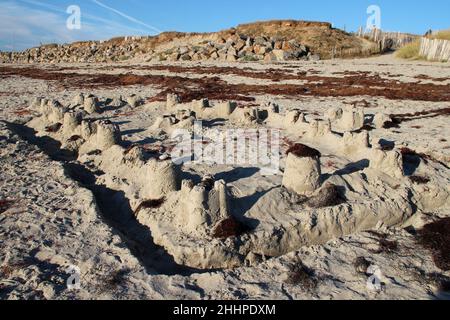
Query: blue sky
[27,23]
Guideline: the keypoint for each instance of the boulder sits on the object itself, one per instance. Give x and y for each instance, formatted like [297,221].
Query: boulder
[314,57]
[231,58]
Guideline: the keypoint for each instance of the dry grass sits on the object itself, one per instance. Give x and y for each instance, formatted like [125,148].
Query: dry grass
[410,51]
[442,35]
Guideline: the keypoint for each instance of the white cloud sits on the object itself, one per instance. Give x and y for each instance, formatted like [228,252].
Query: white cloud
[22,26]
[120,13]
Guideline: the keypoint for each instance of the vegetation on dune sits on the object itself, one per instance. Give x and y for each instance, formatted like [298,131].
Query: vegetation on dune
[410,51]
[442,35]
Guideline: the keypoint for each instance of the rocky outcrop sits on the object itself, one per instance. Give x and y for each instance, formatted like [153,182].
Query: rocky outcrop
[262,41]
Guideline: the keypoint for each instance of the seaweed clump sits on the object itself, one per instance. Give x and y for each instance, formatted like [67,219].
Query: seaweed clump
[149,204]
[436,238]
[228,228]
[303,151]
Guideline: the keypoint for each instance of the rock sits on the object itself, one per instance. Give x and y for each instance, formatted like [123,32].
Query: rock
[361,265]
[277,55]
[278,45]
[186,57]
[174,56]
[260,40]
[239,45]
[231,58]
[214,56]
[262,50]
[183,50]
[270,58]
[288,46]
[314,57]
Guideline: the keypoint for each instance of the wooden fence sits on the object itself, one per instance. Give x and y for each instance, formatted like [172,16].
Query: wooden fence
[435,49]
[387,40]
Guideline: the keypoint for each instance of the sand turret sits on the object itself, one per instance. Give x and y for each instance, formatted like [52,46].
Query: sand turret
[352,119]
[302,172]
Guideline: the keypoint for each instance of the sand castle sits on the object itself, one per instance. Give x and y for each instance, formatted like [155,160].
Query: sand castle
[206,207]
[352,119]
[91,104]
[172,100]
[197,223]
[302,173]
[134,101]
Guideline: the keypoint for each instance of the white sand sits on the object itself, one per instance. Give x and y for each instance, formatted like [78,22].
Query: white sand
[56,222]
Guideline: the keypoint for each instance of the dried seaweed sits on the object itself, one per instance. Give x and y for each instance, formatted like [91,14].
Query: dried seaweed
[228,228]
[303,151]
[436,238]
[53,128]
[5,205]
[419,179]
[149,204]
[303,276]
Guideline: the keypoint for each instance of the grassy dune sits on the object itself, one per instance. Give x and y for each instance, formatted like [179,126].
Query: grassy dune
[411,51]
